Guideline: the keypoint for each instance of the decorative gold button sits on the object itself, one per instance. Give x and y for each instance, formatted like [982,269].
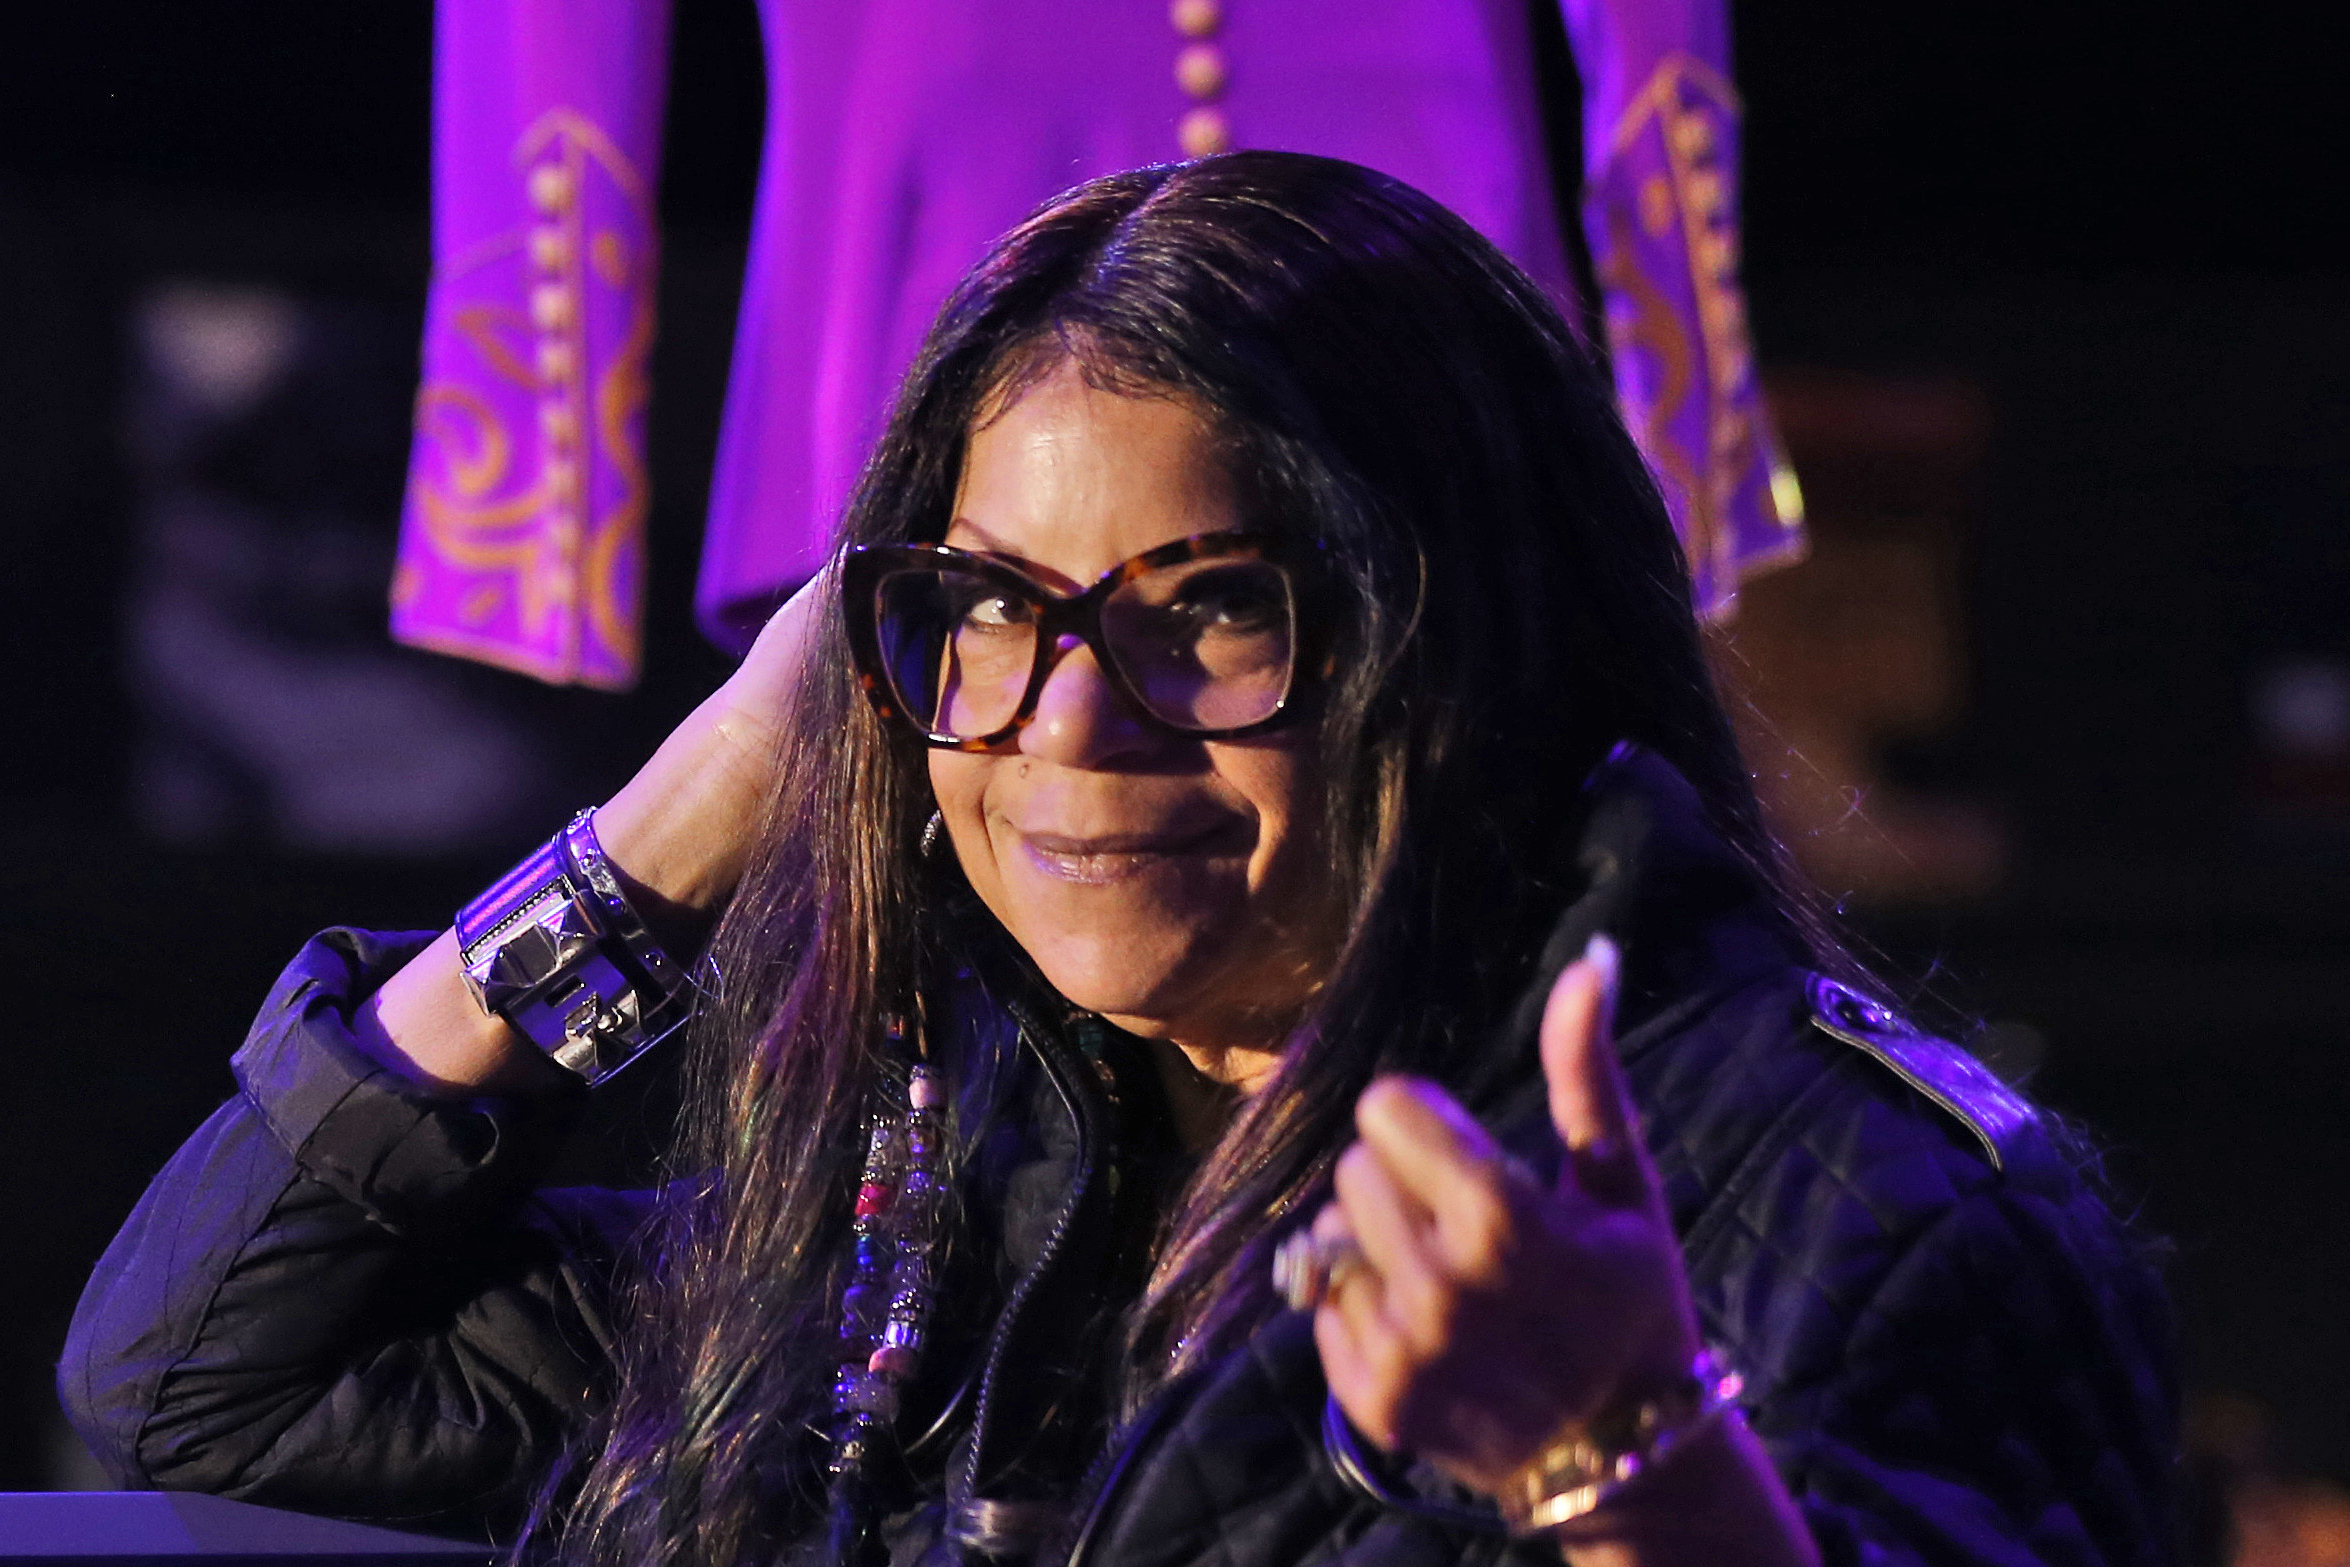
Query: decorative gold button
[1203,133]
[556,423]
[1196,18]
[548,248]
[1199,70]
[550,187]
[550,307]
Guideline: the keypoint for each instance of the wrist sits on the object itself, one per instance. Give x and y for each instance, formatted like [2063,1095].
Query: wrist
[560,950]
[680,830]
[425,1026]
[669,852]
[1592,1462]
[1718,1503]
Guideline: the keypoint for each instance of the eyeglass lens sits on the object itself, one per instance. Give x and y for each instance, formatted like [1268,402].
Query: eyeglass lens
[1204,645]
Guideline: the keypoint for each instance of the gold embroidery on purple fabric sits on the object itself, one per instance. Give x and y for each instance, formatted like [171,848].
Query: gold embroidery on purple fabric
[621,397]
[1649,322]
[1673,136]
[537,508]
[488,328]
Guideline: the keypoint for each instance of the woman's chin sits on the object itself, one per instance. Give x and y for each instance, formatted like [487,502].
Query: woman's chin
[1141,990]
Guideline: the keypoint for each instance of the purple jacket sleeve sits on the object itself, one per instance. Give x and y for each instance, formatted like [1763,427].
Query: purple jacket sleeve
[343,1298]
[1660,211]
[522,536]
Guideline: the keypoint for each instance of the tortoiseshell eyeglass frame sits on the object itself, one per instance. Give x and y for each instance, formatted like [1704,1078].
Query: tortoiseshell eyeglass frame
[1058,615]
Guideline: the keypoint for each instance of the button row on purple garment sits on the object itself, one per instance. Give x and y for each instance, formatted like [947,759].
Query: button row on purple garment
[1199,71]
[522,536]
[557,315]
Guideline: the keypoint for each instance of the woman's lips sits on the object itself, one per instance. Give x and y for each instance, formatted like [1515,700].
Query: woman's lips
[1113,857]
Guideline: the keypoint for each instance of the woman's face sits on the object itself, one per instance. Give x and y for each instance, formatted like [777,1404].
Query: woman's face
[1162,881]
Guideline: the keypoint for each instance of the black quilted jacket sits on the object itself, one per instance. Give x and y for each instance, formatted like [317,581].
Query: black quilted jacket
[344,1299]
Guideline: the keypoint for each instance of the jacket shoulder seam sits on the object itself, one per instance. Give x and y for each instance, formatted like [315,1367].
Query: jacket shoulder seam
[1954,1082]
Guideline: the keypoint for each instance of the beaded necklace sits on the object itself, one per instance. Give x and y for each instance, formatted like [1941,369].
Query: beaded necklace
[885,1310]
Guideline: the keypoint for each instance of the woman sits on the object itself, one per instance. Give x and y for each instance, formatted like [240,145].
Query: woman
[1261,666]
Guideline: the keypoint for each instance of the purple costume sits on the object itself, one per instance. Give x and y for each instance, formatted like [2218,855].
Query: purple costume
[903,136]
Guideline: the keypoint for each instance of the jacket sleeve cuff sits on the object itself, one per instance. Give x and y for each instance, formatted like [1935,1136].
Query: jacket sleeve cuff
[409,1161]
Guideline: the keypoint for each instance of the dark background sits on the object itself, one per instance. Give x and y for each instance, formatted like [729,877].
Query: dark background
[2111,223]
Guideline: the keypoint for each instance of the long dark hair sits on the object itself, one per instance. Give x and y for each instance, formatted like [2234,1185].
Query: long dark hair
[1505,600]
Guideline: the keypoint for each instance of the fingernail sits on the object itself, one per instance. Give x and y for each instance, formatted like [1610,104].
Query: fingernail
[1606,959]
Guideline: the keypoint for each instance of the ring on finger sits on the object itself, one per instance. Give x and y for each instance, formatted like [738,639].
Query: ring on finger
[1308,1268]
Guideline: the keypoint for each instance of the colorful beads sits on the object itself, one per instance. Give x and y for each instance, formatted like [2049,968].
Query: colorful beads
[893,1361]
[884,1310]
[867,1392]
[859,1307]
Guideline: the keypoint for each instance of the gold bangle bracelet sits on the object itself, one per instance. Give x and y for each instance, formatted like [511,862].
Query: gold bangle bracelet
[1584,1467]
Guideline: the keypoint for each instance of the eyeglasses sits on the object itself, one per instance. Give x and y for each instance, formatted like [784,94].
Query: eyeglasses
[1199,636]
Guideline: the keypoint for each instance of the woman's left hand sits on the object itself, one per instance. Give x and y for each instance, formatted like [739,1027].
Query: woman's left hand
[1488,1312]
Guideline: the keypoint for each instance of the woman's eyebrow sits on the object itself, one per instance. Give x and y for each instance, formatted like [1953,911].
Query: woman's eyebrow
[988,542]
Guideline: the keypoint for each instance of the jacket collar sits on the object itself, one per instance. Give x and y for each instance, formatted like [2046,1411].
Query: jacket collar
[1694,919]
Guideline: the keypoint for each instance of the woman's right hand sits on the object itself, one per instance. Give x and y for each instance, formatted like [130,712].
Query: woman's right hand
[679,831]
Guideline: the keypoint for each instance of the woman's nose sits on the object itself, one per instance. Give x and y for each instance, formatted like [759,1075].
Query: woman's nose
[1081,720]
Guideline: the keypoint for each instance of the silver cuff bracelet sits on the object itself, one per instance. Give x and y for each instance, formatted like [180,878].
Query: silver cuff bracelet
[556,949]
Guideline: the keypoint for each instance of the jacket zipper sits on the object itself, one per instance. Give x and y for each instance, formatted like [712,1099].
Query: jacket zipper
[1088,1157]
[1108,1476]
